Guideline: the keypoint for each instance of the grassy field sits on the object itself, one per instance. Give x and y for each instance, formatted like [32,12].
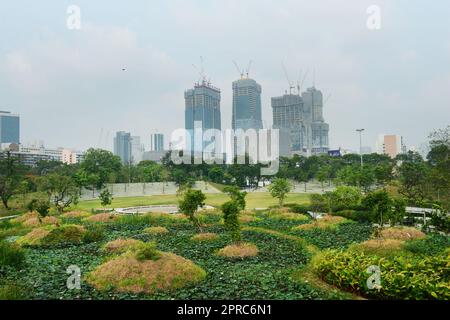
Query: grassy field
[254,200]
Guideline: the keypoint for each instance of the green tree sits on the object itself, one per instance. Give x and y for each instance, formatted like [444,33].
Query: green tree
[102,164]
[105,198]
[279,188]
[11,175]
[236,195]
[230,211]
[345,197]
[61,190]
[190,201]
[384,208]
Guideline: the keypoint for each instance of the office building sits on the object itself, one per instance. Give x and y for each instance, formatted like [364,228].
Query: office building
[9,127]
[137,150]
[122,146]
[156,142]
[246,105]
[303,117]
[202,111]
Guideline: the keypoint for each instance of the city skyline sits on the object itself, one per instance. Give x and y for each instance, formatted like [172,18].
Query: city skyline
[391,80]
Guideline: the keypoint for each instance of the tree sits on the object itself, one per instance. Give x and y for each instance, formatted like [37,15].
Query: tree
[324,174]
[279,189]
[61,190]
[189,204]
[230,211]
[102,164]
[11,175]
[236,195]
[384,208]
[345,197]
[105,198]
[413,178]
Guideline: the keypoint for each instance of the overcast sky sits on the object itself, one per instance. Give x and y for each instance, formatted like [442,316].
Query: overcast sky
[69,88]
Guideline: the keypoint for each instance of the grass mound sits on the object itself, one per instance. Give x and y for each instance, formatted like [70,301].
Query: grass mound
[247,218]
[380,247]
[239,250]
[35,222]
[121,245]
[127,273]
[206,236]
[402,233]
[76,214]
[326,222]
[156,230]
[25,217]
[101,217]
[50,235]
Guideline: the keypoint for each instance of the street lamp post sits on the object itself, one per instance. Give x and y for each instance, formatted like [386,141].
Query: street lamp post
[360,144]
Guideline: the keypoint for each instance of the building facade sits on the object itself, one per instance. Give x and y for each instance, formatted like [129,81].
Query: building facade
[122,146]
[9,127]
[156,142]
[390,144]
[246,105]
[303,117]
[137,150]
[202,111]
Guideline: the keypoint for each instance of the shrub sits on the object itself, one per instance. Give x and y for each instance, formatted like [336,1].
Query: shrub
[346,197]
[156,230]
[299,208]
[122,245]
[147,251]
[94,233]
[11,255]
[64,234]
[13,291]
[431,245]
[357,215]
[230,211]
[319,203]
[401,277]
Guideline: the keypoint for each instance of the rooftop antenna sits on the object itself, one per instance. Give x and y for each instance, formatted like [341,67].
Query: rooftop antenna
[303,80]
[291,86]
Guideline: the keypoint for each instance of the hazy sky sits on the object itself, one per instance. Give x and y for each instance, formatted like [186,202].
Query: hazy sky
[70,90]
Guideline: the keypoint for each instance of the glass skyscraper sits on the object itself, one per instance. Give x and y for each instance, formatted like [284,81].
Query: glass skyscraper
[156,142]
[246,105]
[9,127]
[202,107]
[122,146]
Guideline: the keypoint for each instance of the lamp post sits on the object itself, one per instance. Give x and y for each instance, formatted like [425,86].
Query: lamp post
[360,144]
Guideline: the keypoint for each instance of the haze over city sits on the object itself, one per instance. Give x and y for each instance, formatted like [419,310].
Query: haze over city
[128,67]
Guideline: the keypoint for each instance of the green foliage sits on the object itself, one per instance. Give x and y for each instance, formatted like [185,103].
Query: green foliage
[319,202]
[356,215]
[431,245]
[401,277]
[105,197]
[66,234]
[236,195]
[42,207]
[230,211]
[191,200]
[11,175]
[279,188]
[147,251]
[11,255]
[94,233]
[61,190]
[102,165]
[11,290]
[384,208]
[345,197]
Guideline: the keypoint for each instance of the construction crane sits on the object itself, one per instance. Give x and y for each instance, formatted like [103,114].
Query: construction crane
[291,85]
[300,84]
[242,71]
[201,71]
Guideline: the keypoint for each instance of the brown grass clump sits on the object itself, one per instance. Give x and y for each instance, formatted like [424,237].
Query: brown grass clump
[279,210]
[34,222]
[382,247]
[101,217]
[76,214]
[121,245]
[290,216]
[25,217]
[51,235]
[127,274]
[326,222]
[239,250]
[156,230]
[34,237]
[247,218]
[206,236]
[402,233]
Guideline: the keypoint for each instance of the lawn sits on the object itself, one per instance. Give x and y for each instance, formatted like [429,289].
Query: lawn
[254,200]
